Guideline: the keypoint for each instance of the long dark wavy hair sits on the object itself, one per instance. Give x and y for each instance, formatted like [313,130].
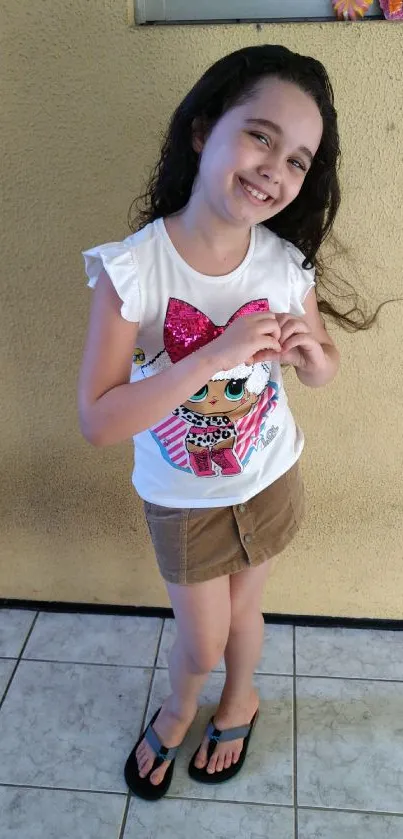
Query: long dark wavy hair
[309,219]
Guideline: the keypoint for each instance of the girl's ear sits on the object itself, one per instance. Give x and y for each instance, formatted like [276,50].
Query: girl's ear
[199,134]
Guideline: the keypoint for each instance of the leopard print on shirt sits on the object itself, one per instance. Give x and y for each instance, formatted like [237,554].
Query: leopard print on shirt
[224,429]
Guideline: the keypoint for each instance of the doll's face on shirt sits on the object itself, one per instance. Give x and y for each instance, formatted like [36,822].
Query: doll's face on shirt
[268,143]
[228,397]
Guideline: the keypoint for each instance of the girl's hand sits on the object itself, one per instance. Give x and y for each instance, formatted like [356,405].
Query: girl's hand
[247,340]
[298,346]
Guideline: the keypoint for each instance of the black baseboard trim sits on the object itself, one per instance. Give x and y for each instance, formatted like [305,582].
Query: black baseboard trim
[156,612]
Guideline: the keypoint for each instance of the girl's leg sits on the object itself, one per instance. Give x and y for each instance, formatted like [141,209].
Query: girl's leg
[239,700]
[203,614]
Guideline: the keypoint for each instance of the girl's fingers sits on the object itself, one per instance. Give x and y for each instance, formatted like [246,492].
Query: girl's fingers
[269,343]
[272,344]
[260,315]
[265,323]
[293,327]
[271,328]
[264,355]
[300,340]
[282,319]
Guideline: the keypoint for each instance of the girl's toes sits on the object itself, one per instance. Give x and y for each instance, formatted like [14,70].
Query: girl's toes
[139,753]
[228,760]
[142,754]
[212,765]
[144,767]
[158,775]
[201,759]
[220,763]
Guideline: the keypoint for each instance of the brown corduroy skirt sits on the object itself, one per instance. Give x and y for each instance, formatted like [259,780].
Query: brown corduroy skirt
[193,545]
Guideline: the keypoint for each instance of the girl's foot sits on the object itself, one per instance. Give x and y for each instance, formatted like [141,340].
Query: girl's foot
[171,729]
[234,714]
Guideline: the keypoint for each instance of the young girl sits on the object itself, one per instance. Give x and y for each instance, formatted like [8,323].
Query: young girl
[192,317]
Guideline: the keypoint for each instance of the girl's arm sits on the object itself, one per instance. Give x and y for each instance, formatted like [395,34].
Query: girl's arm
[111,409]
[307,345]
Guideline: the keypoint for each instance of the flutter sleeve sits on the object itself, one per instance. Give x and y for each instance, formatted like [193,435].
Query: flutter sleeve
[119,261]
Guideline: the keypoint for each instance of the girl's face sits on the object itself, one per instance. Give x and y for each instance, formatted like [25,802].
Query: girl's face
[266,144]
[227,396]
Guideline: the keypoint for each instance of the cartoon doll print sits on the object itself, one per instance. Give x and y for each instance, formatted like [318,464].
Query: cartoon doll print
[213,415]
[216,430]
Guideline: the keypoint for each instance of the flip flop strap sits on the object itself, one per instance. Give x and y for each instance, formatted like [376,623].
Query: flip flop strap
[161,751]
[218,736]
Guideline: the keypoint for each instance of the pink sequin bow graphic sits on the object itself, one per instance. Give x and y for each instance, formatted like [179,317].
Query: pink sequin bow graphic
[187,329]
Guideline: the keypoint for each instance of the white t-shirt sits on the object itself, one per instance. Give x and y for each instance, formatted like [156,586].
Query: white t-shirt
[236,435]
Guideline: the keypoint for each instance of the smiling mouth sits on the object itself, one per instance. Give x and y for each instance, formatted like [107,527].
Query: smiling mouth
[257,194]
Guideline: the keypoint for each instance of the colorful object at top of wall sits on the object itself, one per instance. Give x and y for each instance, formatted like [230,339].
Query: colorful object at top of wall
[351,9]
[392,9]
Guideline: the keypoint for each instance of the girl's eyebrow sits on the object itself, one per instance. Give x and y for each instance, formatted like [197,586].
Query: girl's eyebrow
[267,123]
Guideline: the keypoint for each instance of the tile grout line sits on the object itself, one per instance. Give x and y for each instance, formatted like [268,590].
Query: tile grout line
[46,788]
[317,809]
[18,659]
[313,808]
[276,673]
[231,801]
[129,794]
[157,652]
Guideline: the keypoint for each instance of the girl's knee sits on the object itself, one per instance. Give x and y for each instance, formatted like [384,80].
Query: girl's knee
[204,656]
[203,614]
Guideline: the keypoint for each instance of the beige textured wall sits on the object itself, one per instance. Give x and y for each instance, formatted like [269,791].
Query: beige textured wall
[85,98]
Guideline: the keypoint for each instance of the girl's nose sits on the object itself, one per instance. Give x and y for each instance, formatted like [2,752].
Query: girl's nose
[272,170]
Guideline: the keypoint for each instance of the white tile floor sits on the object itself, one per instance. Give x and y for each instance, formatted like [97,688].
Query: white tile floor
[325,761]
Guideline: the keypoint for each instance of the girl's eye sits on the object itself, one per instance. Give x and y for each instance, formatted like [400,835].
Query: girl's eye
[298,165]
[200,395]
[235,389]
[261,137]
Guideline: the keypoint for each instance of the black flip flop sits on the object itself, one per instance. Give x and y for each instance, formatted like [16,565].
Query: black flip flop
[143,786]
[216,736]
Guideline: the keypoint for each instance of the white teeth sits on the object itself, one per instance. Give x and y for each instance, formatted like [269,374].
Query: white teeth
[254,192]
